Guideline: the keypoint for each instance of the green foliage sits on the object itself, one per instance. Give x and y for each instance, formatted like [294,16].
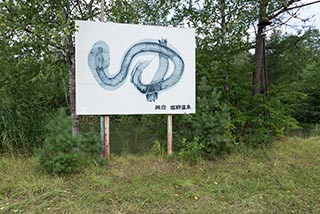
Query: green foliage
[27,100]
[90,142]
[21,131]
[36,49]
[305,130]
[32,77]
[191,151]
[61,153]
[157,148]
[250,125]
[209,125]
[308,108]
[293,61]
[315,131]
[141,11]
[263,120]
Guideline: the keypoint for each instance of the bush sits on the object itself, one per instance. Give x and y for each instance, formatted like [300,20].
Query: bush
[60,153]
[260,120]
[157,149]
[210,125]
[192,151]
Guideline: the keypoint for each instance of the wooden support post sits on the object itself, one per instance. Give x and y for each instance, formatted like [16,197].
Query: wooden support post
[169,146]
[106,137]
[102,136]
[104,120]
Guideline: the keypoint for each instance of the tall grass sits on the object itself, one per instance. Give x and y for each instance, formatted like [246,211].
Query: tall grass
[22,130]
[305,131]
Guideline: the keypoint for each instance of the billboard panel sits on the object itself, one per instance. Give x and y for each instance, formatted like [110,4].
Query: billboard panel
[134,69]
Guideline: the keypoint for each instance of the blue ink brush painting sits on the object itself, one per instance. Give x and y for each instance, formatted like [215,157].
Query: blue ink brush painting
[99,59]
[133,69]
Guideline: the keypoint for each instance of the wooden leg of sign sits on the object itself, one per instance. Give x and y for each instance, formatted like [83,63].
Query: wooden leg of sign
[169,146]
[106,138]
[102,136]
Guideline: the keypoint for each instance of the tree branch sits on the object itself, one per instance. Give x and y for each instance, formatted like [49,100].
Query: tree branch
[287,8]
[80,9]
[284,22]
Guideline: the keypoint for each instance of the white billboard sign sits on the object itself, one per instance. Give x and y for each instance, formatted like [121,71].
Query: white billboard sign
[134,69]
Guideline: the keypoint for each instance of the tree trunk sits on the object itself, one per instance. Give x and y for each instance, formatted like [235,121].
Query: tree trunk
[72,98]
[259,60]
[256,78]
[265,71]
[223,43]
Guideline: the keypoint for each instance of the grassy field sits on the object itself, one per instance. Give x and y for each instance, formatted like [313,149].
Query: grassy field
[282,179]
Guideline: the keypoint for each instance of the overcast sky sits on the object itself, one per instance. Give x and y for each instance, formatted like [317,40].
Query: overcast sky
[312,12]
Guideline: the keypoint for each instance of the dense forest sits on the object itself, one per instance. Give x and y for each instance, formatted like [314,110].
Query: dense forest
[254,80]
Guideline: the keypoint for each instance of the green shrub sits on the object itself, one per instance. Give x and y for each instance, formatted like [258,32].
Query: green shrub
[192,151]
[210,125]
[157,148]
[260,120]
[90,143]
[61,153]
